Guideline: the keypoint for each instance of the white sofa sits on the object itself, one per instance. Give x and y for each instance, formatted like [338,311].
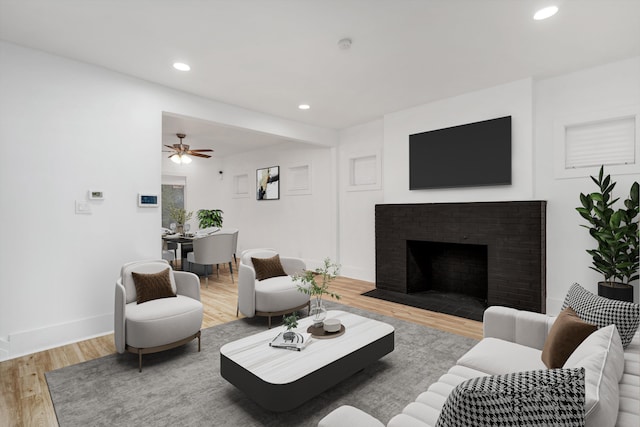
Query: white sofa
[513,342]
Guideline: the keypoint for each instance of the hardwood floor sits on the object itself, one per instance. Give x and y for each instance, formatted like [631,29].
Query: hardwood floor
[25,399]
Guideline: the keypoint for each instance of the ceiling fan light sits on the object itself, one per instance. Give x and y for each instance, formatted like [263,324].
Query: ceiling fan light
[175,158]
[186,159]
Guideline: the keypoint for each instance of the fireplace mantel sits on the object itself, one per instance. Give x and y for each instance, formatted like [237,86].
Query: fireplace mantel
[514,233]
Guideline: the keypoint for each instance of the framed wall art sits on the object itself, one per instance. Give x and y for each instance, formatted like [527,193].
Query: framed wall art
[268,183]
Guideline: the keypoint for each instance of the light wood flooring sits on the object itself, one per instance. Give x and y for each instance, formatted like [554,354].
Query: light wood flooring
[25,400]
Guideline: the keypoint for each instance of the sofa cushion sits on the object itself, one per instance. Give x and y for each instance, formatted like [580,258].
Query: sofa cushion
[602,357]
[153,285]
[533,398]
[566,334]
[604,311]
[267,268]
[495,357]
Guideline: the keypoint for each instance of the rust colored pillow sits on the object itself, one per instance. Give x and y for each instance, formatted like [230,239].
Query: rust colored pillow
[268,267]
[152,286]
[566,334]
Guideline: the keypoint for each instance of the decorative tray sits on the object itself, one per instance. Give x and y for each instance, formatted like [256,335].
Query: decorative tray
[322,334]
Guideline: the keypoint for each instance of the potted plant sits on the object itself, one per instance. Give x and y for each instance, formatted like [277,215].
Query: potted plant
[290,322]
[310,286]
[209,218]
[616,234]
[180,216]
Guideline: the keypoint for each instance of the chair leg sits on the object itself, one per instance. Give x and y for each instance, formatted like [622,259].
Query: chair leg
[139,360]
[218,270]
[269,321]
[231,271]
[199,341]
[237,308]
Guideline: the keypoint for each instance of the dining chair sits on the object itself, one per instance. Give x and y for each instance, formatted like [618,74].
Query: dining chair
[235,233]
[211,250]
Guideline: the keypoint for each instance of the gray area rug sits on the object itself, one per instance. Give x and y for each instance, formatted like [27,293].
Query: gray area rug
[182,387]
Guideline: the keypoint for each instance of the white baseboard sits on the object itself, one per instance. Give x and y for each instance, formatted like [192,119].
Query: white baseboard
[35,340]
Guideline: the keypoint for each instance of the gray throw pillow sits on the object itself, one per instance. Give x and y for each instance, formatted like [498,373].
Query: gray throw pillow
[603,312]
[533,398]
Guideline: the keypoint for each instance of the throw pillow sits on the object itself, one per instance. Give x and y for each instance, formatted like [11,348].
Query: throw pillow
[604,311]
[602,357]
[268,267]
[531,398]
[152,286]
[566,334]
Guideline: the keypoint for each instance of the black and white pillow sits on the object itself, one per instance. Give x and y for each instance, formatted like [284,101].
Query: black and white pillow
[533,398]
[603,312]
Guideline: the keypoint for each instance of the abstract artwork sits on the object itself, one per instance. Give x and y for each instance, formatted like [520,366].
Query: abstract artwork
[268,183]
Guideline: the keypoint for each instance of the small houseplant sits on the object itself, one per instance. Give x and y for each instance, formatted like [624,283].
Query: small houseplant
[328,272]
[290,322]
[209,218]
[616,234]
[179,215]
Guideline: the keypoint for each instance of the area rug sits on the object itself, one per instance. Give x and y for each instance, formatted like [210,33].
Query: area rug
[183,387]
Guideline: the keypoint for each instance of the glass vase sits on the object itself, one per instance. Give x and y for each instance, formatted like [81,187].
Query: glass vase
[317,312]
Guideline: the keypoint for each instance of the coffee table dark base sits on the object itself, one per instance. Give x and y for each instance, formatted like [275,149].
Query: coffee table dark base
[285,397]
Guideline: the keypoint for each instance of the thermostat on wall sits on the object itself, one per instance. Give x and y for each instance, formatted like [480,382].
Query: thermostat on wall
[147,200]
[96,194]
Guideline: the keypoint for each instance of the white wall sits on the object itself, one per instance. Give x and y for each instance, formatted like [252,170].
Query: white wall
[535,107]
[298,225]
[597,90]
[357,206]
[67,127]
[513,99]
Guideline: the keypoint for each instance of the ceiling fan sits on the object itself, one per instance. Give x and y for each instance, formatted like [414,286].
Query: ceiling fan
[181,152]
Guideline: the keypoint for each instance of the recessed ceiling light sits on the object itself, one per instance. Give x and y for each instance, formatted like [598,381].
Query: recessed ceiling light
[304,106]
[545,13]
[181,66]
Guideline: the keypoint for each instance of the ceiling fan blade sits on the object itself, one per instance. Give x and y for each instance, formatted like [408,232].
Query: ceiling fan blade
[170,146]
[206,156]
[202,150]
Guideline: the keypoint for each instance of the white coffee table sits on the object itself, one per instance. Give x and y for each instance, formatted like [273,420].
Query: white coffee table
[280,380]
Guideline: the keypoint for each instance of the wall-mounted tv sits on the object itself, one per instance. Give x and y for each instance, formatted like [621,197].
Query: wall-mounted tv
[469,155]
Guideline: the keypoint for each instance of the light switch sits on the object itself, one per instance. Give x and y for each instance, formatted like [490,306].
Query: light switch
[83,207]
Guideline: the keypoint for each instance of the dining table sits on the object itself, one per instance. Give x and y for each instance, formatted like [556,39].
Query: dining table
[186,244]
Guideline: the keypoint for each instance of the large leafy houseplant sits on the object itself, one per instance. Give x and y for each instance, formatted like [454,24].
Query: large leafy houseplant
[209,218]
[614,230]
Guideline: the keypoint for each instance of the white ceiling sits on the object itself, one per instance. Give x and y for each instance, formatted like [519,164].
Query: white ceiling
[271,55]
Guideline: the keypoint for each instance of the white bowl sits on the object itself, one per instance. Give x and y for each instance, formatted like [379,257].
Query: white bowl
[332,325]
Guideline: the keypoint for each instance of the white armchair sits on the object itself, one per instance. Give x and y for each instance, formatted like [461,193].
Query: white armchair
[269,297]
[159,324]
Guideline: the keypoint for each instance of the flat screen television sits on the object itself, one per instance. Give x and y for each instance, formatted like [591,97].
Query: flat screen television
[470,155]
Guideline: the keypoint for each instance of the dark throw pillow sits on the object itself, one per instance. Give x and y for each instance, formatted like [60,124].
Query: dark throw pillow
[533,398]
[268,267]
[566,334]
[604,311]
[152,286]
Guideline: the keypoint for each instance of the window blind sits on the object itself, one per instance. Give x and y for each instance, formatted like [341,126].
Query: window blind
[608,142]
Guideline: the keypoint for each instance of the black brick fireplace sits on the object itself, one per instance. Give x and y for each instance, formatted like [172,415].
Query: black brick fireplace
[490,252]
